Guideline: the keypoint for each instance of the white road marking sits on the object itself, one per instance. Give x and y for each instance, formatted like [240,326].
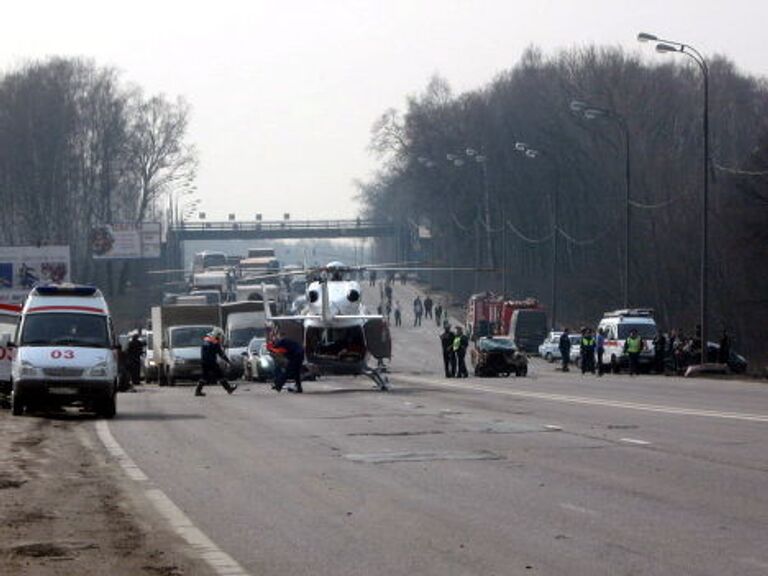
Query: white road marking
[744,416]
[634,441]
[580,509]
[553,427]
[219,561]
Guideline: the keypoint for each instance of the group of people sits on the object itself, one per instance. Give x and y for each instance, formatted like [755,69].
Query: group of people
[454,346]
[672,351]
[422,309]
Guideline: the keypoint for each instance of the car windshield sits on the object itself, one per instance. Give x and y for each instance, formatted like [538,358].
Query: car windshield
[645,331]
[255,345]
[492,344]
[239,337]
[65,329]
[189,336]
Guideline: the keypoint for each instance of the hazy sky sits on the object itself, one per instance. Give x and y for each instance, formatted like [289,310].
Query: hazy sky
[283,94]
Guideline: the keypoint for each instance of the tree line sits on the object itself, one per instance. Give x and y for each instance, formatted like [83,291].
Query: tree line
[520,143]
[79,147]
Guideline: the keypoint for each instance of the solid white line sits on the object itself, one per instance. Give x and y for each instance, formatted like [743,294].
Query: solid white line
[221,562]
[744,416]
[634,441]
[580,509]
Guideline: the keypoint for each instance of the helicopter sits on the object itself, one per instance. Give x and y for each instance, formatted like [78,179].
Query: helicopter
[338,334]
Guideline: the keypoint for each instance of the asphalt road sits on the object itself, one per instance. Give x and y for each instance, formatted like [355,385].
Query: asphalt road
[550,474]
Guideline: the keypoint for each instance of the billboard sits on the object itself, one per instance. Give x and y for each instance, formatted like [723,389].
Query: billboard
[125,240]
[21,267]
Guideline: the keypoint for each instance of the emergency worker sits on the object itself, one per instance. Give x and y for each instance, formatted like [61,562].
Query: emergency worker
[565,349]
[587,352]
[460,345]
[428,307]
[659,352]
[600,344]
[133,354]
[446,345]
[210,352]
[289,360]
[633,346]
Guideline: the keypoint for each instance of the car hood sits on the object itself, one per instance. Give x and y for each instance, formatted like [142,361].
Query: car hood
[58,356]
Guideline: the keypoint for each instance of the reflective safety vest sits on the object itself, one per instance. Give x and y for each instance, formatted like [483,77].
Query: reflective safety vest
[587,342]
[634,345]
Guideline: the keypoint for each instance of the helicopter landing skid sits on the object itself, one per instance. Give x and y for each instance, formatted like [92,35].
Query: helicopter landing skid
[380,379]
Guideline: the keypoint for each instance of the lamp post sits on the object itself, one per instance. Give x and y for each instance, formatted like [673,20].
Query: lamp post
[533,153]
[591,113]
[668,46]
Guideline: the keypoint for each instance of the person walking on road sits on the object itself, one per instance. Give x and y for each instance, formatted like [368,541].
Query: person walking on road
[460,345]
[659,352]
[565,348]
[135,350]
[418,310]
[587,352]
[633,346]
[428,307]
[600,348]
[388,292]
[398,314]
[438,314]
[210,352]
[446,345]
[289,360]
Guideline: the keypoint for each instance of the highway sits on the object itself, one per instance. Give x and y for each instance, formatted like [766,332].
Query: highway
[549,474]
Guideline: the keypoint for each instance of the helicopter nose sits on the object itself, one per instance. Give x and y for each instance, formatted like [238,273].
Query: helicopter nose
[313,295]
[353,295]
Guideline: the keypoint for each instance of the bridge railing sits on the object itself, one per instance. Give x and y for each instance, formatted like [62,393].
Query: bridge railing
[266,225]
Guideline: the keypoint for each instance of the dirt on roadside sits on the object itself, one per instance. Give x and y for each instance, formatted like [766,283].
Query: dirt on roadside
[66,509]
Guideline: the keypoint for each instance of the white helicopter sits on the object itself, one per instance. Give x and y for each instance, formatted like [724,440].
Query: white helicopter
[338,333]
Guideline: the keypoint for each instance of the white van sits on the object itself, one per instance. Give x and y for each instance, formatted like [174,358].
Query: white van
[618,324]
[9,320]
[65,351]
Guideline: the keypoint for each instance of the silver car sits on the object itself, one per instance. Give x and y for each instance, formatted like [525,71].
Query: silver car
[258,363]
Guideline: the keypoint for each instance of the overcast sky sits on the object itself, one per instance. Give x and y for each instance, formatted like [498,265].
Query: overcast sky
[283,94]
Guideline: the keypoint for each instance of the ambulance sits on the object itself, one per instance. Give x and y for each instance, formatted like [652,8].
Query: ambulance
[65,351]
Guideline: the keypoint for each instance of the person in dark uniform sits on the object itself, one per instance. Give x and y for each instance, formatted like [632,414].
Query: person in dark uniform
[565,348]
[289,360]
[133,354]
[446,344]
[210,352]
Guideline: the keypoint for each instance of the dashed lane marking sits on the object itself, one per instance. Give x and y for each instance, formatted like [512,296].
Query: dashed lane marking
[219,561]
[680,411]
[635,441]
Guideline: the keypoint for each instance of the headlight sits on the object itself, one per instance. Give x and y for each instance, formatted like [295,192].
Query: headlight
[27,369]
[100,370]
[151,363]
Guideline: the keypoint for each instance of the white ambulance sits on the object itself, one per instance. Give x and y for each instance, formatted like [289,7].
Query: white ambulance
[618,325]
[65,351]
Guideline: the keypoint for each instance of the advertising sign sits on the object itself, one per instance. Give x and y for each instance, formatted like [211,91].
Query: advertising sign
[125,240]
[21,267]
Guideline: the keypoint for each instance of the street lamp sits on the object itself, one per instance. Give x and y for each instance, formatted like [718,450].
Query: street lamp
[534,153]
[591,113]
[667,46]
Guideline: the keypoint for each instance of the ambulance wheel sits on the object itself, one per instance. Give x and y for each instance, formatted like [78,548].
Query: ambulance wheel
[615,369]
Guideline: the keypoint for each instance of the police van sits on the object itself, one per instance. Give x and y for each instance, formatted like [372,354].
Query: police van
[65,351]
[618,325]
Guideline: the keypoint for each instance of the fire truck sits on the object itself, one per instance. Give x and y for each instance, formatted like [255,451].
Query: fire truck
[489,314]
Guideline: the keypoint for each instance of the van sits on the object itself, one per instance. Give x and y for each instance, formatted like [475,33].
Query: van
[65,351]
[528,328]
[618,325]
[9,320]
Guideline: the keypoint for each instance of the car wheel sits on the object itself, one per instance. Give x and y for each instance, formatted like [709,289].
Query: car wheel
[107,408]
[17,406]
[549,358]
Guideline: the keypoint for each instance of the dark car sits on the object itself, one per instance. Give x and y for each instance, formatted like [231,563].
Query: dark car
[736,362]
[498,356]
